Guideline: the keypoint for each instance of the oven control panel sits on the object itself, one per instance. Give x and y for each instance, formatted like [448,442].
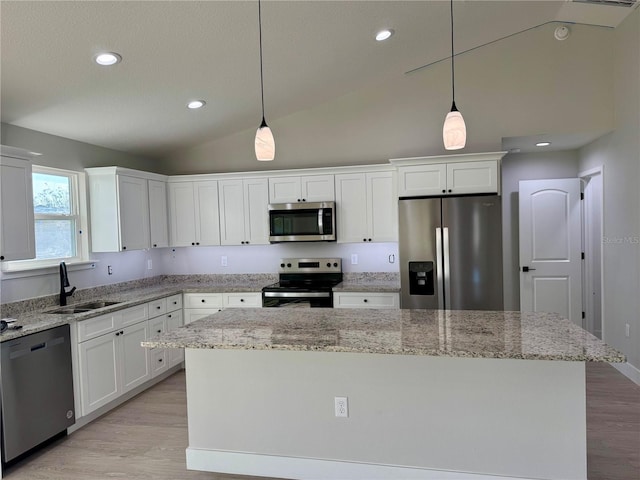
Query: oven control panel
[310,265]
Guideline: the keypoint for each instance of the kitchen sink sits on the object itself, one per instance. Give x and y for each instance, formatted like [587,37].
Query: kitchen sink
[83,307]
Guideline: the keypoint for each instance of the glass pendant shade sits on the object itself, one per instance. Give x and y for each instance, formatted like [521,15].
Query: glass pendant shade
[454,132]
[265,144]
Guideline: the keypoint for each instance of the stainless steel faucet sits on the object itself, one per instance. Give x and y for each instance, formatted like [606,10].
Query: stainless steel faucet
[64,283]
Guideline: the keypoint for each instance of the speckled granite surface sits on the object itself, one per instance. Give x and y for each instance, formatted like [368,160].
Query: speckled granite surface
[369,282]
[476,334]
[34,314]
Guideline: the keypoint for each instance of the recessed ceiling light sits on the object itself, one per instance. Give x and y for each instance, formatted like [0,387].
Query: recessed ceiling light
[543,144]
[384,34]
[107,59]
[196,104]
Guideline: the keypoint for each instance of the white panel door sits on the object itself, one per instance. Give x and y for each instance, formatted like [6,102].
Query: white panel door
[284,190]
[231,197]
[318,188]
[207,213]
[421,180]
[351,206]
[135,358]
[98,371]
[17,227]
[158,218]
[382,202]
[551,247]
[256,212]
[472,177]
[182,215]
[134,213]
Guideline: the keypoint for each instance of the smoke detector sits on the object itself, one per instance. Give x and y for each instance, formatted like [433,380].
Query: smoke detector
[562,32]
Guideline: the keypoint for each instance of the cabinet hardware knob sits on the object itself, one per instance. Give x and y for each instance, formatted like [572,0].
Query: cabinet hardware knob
[202,300]
[193,243]
[369,239]
[197,243]
[2,257]
[159,331]
[155,245]
[444,191]
[117,334]
[169,316]
[160,360]
[124,248]
[364,239]
[449,190]
[242,242]
[304,199]
[121,332]
[365,300]
[175,303]
[298,199]
[158,307]
[247,242]
[242,299]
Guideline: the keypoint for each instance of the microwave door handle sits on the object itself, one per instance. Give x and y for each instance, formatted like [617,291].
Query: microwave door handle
[320,219]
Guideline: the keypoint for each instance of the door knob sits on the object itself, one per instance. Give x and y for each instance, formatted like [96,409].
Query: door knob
[527,269]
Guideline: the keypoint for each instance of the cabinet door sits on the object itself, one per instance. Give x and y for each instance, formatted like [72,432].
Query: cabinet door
[182,214]
[256,212]
[382,203]
[192,314]
[421,180]
[157,356]
[318,188]
[174,355]
[158,218]
[98,371]
[351,206]
[135,359]
[472,177]
[133,200]
[16,227]
[231,196]
[284,190]
[207,213]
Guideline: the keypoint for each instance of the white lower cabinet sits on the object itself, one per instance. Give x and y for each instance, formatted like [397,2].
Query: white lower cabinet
[200,305]
[112,364]
[242,300]
[163,359]
[366,300]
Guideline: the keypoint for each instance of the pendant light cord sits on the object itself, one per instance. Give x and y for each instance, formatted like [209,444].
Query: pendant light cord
[261,75]
[453,81]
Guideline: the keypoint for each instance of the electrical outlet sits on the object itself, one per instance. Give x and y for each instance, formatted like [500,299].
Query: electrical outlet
[149,264]
[109,270]
[627,330]
[354,259]
[341,405]
[223,260]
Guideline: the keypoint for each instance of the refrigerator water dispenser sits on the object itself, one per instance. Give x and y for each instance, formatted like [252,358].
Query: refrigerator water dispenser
[421,278]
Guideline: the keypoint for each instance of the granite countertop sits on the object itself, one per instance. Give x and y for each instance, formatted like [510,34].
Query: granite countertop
[368,286]
[40,319]
[448,333]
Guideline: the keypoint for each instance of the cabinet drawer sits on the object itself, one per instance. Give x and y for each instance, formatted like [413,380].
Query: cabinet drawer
[133,315]
[157,307]
[365,300]
[242,300]
[158,360]
[202,300]
[94,327]
[174,302]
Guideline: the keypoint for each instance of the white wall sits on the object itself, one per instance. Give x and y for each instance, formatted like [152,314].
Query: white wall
[516,167]
[619,153]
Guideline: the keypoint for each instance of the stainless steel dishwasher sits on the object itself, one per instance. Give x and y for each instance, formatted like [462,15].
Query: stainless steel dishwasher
[36,390]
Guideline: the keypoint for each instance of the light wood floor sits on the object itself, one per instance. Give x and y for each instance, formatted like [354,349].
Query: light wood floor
[146,437]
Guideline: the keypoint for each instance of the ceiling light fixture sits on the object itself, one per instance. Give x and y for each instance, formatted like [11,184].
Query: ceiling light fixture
[384,34]
[264,143]
[107,59]
[543,144]
[195,104]
[454,131]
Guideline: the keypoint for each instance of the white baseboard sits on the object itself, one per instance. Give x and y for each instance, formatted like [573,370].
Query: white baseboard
[258,465]
[629,371]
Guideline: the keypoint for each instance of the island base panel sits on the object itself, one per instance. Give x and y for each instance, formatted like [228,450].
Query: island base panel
[273,411]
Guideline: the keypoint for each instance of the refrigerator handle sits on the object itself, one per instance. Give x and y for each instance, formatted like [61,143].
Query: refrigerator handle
[447,270]
[439,275]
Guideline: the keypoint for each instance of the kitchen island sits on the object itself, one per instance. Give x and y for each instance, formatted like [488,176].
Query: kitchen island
[431,394]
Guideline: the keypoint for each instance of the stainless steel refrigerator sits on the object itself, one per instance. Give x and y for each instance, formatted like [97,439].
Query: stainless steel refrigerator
[451,253]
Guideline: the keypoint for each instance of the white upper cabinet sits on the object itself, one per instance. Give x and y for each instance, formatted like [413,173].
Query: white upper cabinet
[367,207]
[133,200]
[244,216]
[158,218]
[119,205]
[306,188]
[449,174]
[193,213]
[17,235]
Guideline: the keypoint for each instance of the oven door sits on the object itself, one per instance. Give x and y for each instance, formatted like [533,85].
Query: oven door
[297,299]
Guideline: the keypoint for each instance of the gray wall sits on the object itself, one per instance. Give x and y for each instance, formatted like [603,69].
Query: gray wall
[64,153]
[619,153]
[516,167]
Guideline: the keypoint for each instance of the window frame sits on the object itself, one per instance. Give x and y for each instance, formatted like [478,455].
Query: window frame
[78,201]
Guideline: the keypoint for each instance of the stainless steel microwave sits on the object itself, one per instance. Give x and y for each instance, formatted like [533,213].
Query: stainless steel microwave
[302,222]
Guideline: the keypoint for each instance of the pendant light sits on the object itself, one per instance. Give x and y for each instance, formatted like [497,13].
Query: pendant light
[265,144]
[454,131]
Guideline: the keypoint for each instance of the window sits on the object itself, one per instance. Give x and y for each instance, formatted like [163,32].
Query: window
[59,221]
